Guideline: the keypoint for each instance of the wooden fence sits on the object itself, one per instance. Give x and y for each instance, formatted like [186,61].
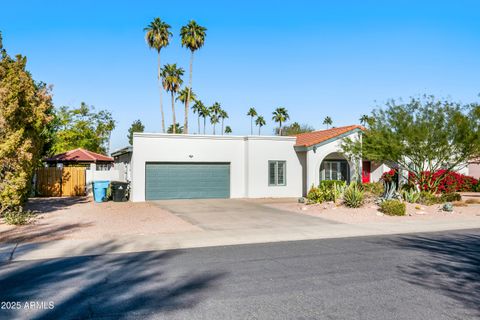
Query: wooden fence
[60,182]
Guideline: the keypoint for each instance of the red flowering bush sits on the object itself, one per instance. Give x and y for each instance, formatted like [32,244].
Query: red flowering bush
[442,181]
[389,176]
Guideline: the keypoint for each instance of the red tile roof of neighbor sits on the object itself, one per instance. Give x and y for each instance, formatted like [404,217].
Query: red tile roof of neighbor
[79,155]
[311,138]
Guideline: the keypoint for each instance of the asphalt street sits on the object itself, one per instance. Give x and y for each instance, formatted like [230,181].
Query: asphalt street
[416,276]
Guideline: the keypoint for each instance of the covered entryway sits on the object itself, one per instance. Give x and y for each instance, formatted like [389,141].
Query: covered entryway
[174,180]
[335,167]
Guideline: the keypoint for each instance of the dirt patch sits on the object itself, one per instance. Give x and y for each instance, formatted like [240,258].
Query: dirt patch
[81,218]
[369,212]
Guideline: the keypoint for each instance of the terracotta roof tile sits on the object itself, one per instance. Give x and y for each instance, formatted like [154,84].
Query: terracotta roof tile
[79,155]
[311,138]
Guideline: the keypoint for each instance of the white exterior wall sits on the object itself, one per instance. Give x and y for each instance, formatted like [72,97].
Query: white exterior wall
[260,151]
[377,169]
[91,174]
[248,158]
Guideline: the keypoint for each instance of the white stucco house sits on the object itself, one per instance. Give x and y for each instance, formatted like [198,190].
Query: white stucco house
[168,166]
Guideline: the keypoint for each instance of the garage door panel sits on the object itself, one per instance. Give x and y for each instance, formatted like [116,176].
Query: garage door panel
[187,180]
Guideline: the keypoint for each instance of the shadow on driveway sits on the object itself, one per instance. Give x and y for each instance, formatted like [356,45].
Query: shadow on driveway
[111,285]
[451,265]
[45,205]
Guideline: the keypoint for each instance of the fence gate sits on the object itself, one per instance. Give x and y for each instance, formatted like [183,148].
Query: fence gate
[60,182]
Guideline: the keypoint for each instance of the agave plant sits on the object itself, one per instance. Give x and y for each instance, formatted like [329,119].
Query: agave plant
[389,193]
[411,196]
[353,196]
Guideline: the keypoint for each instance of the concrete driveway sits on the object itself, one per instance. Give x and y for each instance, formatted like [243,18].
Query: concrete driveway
[236,214]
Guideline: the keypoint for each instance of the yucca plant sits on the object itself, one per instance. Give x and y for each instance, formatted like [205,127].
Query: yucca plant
[411,196]
[353,196]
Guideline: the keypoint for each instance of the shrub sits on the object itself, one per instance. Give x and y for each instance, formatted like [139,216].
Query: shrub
[449,183]
[353,196]
[18,216]
[428,198]
[389,176]
[411,196]
[375,188]
[450,197]
[315,195]
[331,183]
[393,208]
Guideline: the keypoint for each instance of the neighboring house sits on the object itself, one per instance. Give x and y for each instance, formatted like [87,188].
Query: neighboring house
[166,166]
[80,158]
[122,160]
[473,168]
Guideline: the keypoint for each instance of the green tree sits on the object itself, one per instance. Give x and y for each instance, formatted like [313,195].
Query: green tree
[296,128]
[327,121]
[204,112]
[252,113]
[197,108]
[193,38]
[228,130]
[25,112]
[214,111]
[260,122]
[157,37]
[280,115]
[222,115]
[183,94]
[137,126]
[364,119]
[82,128]
[423,135]
[172,81]
[177,129]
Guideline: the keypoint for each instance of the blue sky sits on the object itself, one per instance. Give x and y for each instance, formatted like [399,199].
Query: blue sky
[315,58]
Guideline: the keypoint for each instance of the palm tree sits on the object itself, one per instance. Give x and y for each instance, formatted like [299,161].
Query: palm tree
[364,119]
[172,81]
[251,113]
[327,121]
[214,114]
[193,37]
[196,108]
[183,95]
[175,129]
[214,120]
[158,37]
[228,130]
[260,122]
[222,115]
[204,113]
[280,115]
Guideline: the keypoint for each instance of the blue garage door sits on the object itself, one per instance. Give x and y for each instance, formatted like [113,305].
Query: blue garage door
[187,181]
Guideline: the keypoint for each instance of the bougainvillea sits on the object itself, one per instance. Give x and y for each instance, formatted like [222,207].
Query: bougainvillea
[389,176]
[442,181]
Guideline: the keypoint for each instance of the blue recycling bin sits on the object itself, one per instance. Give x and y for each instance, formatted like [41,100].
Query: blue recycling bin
[100,190]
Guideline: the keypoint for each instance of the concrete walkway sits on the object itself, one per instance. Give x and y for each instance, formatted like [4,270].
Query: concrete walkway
[207,238]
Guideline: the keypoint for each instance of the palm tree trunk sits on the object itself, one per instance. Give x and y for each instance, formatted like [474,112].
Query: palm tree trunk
[251,126]
[214,129]
[280,130]
[222,126]
[161,89]
[204,124]
[185,124]
[259,127]
[173,113]
[198,118]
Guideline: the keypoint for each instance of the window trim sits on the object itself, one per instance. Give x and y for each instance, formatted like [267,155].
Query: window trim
[276,184]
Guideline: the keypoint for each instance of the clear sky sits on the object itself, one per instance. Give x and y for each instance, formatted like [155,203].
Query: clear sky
[315,58]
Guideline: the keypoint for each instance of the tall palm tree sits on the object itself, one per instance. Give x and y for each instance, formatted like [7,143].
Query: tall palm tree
[183,95]
[157,37]
[260,122]
[193,38]
[222,115]
[196,108]
[204,113]
[364,119]
[280,115]
[214,120]
[327,121]
[251,113]
[214,114]
[172,81]
[228,130]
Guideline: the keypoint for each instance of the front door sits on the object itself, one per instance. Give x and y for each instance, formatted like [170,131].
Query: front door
[366,168]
